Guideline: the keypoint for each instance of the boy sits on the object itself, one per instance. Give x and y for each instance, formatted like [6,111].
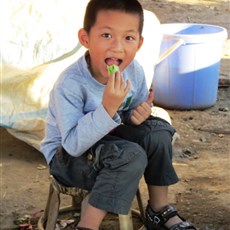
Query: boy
[109,116]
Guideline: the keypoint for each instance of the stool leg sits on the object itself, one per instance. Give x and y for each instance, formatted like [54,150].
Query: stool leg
[140,204]
[125,221]
[47,208]
[43,219]
[52,212]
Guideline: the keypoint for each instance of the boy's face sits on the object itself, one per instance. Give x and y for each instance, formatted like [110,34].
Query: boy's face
[114,39]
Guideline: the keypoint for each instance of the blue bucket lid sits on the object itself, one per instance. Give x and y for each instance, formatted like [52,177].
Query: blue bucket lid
[194,33]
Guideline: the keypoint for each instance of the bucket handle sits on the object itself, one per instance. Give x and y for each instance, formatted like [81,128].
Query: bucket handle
[174,47]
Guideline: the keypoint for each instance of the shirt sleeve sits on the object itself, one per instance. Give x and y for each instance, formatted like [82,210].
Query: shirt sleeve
[79,131]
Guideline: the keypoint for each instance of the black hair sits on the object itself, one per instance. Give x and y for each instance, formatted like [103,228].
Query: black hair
[129,6]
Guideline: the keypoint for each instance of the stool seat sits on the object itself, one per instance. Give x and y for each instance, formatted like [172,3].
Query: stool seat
[48,220]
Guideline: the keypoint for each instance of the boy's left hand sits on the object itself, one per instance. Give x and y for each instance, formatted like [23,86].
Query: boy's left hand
[143,111]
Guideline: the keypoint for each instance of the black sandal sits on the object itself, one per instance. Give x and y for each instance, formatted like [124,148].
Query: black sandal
[157,220]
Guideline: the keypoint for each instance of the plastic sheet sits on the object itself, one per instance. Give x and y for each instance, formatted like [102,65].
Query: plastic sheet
[39,40]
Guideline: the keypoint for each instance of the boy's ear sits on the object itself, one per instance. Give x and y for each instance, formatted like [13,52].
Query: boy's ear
[140,42]
[83,37]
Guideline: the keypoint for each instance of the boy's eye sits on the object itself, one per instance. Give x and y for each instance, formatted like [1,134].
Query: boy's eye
[106,35]
[130,38]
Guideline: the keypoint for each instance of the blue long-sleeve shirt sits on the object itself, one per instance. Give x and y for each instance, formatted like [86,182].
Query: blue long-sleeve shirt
[76,118]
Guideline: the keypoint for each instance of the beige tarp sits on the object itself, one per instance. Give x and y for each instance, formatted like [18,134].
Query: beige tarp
[39,40]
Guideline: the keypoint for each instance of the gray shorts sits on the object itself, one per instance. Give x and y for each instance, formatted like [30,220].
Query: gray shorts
[112,168]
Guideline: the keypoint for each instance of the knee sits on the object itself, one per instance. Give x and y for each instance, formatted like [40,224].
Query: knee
[163,138]
[159,143]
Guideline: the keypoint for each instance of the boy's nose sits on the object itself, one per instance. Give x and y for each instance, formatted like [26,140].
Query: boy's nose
[118,46]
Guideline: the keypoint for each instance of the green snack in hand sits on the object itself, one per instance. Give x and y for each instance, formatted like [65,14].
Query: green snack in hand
[112,69]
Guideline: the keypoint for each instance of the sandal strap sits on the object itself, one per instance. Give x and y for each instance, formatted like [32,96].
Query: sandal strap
[181,226]
[162,216]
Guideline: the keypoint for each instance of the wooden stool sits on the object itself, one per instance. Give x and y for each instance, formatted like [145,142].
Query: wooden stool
[48,220]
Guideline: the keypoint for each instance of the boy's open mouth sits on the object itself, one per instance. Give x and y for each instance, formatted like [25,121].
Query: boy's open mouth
[113,61]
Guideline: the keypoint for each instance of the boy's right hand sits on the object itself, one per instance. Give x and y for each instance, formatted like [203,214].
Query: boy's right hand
[115,93]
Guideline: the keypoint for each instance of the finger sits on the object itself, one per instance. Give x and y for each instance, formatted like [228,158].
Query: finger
[137,115]
[146,106]
[143,108]
[111,79]
[150,98]
[117,80]
[140,109]
[127,87]
[136,119]
[122,84]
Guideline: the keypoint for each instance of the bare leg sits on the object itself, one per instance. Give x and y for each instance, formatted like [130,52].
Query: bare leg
[158,199]
[91,217]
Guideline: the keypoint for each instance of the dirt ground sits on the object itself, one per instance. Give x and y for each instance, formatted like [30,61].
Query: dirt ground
[201,155]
